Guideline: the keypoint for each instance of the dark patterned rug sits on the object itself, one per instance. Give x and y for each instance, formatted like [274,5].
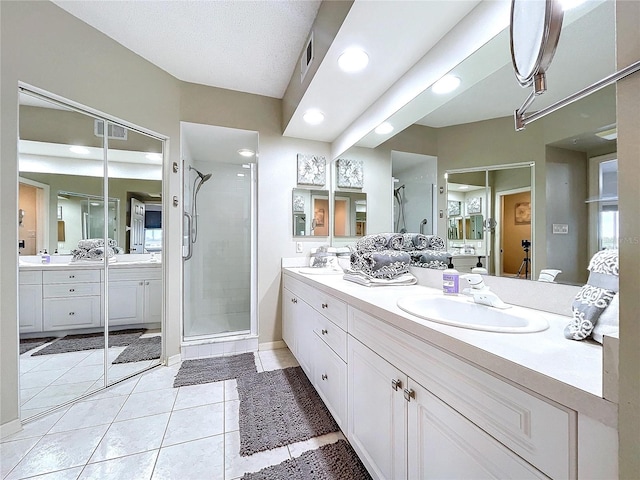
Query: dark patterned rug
[215,369]
[27,344]
[278,408]
[336,461]
[148,348]
[90,341]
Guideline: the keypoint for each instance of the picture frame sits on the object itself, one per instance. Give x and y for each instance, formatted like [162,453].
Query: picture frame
[311,170]
[453,208]
[522,213]
[318,216]
[474,205]
[350,173]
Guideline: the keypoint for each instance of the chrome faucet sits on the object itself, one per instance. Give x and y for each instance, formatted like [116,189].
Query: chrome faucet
[480,292]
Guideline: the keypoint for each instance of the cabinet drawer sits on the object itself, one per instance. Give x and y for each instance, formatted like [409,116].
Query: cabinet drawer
[71,290]
[70,276]
[133,273]
[330,380]
[535,429]
[332,308]
[68,313]
[30,277]
[332,335]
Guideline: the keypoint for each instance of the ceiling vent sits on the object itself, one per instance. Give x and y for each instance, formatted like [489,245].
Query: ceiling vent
[308,55]
[116,132]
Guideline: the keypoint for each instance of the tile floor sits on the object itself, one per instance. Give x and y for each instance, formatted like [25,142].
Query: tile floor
[143,428]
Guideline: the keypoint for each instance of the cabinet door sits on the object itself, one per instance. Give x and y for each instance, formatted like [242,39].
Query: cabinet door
[443,444]
[305,321]
[152,301]
[288,314]
[126,302]
[376,412]
[30,308]
[330,381]
[68,313]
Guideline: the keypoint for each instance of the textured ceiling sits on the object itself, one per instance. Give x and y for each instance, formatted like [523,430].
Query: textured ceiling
[250,46]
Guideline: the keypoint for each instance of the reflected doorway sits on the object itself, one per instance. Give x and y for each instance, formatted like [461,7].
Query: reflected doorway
[515,222]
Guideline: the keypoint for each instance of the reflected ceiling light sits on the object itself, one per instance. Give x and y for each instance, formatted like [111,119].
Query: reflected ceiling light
[384,128]
[154,156]
[353,60]
[569,4]
[95,204]
[610,134]
[79,150]
[313,116]
[446,84]
[464,187]
[245,152]
[240,174]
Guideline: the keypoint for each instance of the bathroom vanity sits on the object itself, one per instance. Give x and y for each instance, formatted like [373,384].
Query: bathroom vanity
[60,297]
[411,394]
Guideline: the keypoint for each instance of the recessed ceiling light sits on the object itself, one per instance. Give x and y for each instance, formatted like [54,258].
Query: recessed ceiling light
[95,204]
[154,156]
[245,152]
[79,150]
[610,134]
[240,174]
[353,60]
[384,128]
[313,116]
[446,84]
[464,187]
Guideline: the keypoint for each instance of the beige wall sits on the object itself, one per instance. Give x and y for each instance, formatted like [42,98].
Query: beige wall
[628,51]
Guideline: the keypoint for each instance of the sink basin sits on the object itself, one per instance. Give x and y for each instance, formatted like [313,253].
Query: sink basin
[462,312]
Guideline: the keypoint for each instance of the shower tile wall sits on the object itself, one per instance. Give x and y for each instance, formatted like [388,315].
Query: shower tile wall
[220,270]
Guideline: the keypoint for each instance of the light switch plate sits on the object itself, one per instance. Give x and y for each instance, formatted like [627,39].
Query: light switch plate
[298,247]
[560,229]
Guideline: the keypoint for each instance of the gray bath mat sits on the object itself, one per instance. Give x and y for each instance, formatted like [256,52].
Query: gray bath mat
[90,341]
[336,461]
[216,369]
[147,348]
[278,408]
[27,344]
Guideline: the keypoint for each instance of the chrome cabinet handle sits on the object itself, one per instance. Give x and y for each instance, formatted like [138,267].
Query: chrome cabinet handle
[141,283]
[72,276]
[72,289]
[396,384]
[72,313]
[324,331]
[324,376]
[409,394]
[325,305]
[294,300]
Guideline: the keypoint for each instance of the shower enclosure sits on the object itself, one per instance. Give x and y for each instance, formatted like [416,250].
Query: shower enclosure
[218,235]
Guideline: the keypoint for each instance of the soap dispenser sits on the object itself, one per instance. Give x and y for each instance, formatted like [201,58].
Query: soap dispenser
[450,281]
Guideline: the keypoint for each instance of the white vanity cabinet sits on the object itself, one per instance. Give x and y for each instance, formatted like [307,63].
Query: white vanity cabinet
[135,296]
[30,306]
[71,299]
[314,329]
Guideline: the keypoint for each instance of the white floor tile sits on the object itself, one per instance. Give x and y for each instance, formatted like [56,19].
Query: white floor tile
[297,449]
[77,374]
[132,436]
[236,466]
[57,394]
[27,362]
[183,426]
[37,428]
[27,394]
[198,459]
[59,451]
[230,390]
[277,359]
[138,467]
[37,378]
[147,403]
[157,379]
[66,474]
[12,452]
[197,395]
[123,388]
[231,413]
[62,360]
[89,414]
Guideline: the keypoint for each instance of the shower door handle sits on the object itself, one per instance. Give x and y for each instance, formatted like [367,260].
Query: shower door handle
[189,247]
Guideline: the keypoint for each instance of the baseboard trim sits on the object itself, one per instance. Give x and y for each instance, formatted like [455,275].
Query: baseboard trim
[173,359]
[10,428]
[272,345]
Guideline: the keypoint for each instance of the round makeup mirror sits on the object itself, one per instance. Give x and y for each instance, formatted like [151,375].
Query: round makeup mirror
[535,31]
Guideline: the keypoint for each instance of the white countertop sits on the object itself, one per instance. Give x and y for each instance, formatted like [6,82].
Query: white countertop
[63,262]
[565,371]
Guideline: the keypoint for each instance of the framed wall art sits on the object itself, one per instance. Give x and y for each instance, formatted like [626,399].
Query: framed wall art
[311,170]
[350,173]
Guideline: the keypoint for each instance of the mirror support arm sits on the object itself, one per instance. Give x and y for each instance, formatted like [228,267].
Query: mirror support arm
[521,121]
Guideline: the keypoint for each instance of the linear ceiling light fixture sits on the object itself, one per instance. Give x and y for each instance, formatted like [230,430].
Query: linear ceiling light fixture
[446,84]
[384,128]
[246,152]
[313,116]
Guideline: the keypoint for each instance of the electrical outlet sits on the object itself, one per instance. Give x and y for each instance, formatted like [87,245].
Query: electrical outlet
[298,247]
[560,229]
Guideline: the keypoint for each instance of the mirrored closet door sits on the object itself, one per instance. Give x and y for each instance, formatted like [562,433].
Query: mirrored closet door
[85,242]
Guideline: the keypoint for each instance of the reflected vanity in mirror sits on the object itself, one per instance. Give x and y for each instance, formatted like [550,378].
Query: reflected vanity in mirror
[79,286]
[310,213]
[349,213]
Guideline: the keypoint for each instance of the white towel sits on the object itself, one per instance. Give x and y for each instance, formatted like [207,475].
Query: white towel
[369,281]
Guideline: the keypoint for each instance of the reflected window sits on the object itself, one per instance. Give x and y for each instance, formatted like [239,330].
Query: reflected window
[608,227]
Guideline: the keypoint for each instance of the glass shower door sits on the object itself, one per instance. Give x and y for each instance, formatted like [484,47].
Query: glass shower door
[218,275]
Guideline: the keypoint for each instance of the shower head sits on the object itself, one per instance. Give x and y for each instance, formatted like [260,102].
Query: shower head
[203,177]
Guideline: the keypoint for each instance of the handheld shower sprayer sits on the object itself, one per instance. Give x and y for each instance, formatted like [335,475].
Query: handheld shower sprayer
[193,217]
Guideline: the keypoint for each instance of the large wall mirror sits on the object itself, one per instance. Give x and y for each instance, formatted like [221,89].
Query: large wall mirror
[573,182]
[90,252]
[310,212]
